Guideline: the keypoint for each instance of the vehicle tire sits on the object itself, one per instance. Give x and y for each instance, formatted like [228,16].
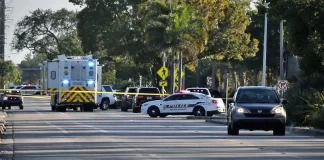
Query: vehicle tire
[104,104]
[235,130]
[279,131]
[153,111]
[9,107]
[53,108]
[199,111]
[63,109]
[163,115]
[229,129]
[3,108]
[21,107]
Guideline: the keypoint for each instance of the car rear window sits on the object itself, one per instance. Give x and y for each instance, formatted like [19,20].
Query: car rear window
[107,88]
[203,91]
[149,90]
[132,90]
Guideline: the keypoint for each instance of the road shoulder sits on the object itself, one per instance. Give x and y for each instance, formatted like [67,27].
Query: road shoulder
[309,131]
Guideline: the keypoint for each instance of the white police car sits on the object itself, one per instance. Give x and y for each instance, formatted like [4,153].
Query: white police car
[184,103]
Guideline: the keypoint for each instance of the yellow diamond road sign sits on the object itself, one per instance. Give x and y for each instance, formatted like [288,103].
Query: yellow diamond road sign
[163,83]
[163,72]
[176,74]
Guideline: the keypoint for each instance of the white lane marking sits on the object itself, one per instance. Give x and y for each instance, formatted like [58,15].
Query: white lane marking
[37,112]
[98,129]
[59,128]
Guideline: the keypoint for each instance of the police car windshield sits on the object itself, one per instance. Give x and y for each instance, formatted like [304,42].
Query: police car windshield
[203,91]
[257,96]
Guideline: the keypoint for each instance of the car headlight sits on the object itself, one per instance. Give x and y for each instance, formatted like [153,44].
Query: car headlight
[5,98]
[278,110]
[241,110]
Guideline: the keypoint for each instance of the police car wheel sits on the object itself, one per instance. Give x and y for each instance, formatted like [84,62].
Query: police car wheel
[153,112]
[199,111]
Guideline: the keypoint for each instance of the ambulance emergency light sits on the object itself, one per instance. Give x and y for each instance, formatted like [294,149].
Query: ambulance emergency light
[90,82]
[91,63]
[65,81]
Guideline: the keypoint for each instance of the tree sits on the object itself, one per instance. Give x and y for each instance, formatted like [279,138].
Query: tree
[48,32]
[304,31]
[9,72]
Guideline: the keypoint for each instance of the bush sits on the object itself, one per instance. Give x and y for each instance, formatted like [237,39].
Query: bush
[305,100]
[318,119]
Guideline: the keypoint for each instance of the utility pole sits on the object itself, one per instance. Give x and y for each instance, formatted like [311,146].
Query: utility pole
[264,67]
[180,72]
[164,60]
[281,50]
[2,35]
[197,74]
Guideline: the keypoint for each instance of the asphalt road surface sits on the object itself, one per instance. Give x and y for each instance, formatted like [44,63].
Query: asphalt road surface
[37,133]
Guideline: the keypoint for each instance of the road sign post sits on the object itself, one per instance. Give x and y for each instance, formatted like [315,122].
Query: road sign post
[163,72]
[283,86]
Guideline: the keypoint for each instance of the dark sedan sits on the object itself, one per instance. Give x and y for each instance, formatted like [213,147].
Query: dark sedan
[257,108]
[11,100]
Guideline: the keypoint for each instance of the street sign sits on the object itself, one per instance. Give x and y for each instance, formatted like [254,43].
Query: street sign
[209,81]
[176,74]
[163,72]
[163,83]
[283,85]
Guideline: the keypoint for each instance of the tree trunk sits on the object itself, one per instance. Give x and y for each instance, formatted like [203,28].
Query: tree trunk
[234,80]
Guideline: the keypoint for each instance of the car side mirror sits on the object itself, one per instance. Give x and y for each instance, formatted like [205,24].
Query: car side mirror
[284,101]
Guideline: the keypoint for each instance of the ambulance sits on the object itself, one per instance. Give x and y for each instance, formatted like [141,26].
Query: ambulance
[73,82]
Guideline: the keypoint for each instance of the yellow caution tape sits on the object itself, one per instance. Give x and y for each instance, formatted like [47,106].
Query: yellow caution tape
[96,92]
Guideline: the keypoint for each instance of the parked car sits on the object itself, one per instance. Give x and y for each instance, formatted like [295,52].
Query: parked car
[127,98]
[6,101]
[144,94]
[30,90]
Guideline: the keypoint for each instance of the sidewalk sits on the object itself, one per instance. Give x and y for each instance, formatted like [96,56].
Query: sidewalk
[3,115]
[309,131]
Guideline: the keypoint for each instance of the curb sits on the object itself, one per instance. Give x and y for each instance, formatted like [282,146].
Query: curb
[305,131]
[3,123]
[297,130]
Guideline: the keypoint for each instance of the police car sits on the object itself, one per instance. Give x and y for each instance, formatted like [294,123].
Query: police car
[184,103]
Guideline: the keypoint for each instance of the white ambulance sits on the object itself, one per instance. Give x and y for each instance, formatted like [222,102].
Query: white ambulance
[73,82]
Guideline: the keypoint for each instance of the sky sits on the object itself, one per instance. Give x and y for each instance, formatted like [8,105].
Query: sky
[16,10]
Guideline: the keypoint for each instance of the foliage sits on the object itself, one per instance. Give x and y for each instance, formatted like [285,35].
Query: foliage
[305,99]
[48,32]
[9,72]
[318,119]
[144,28]
[304,31]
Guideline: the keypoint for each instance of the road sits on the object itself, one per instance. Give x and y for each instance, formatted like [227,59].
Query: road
[37,133]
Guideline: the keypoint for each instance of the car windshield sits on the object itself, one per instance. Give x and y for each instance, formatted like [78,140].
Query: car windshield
[203,91]
[11,87]
[18,87]
[257,96]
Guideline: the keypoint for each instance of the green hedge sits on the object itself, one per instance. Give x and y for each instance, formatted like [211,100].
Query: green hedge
[306,98]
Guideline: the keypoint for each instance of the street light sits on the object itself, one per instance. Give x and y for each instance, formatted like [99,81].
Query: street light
[266,5]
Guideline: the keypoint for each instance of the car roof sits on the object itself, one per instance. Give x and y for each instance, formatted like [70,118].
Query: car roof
[256,87]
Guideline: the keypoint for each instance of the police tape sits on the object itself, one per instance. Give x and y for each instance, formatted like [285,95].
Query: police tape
[43,92]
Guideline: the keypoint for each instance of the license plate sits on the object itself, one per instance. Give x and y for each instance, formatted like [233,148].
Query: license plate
[149,97]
